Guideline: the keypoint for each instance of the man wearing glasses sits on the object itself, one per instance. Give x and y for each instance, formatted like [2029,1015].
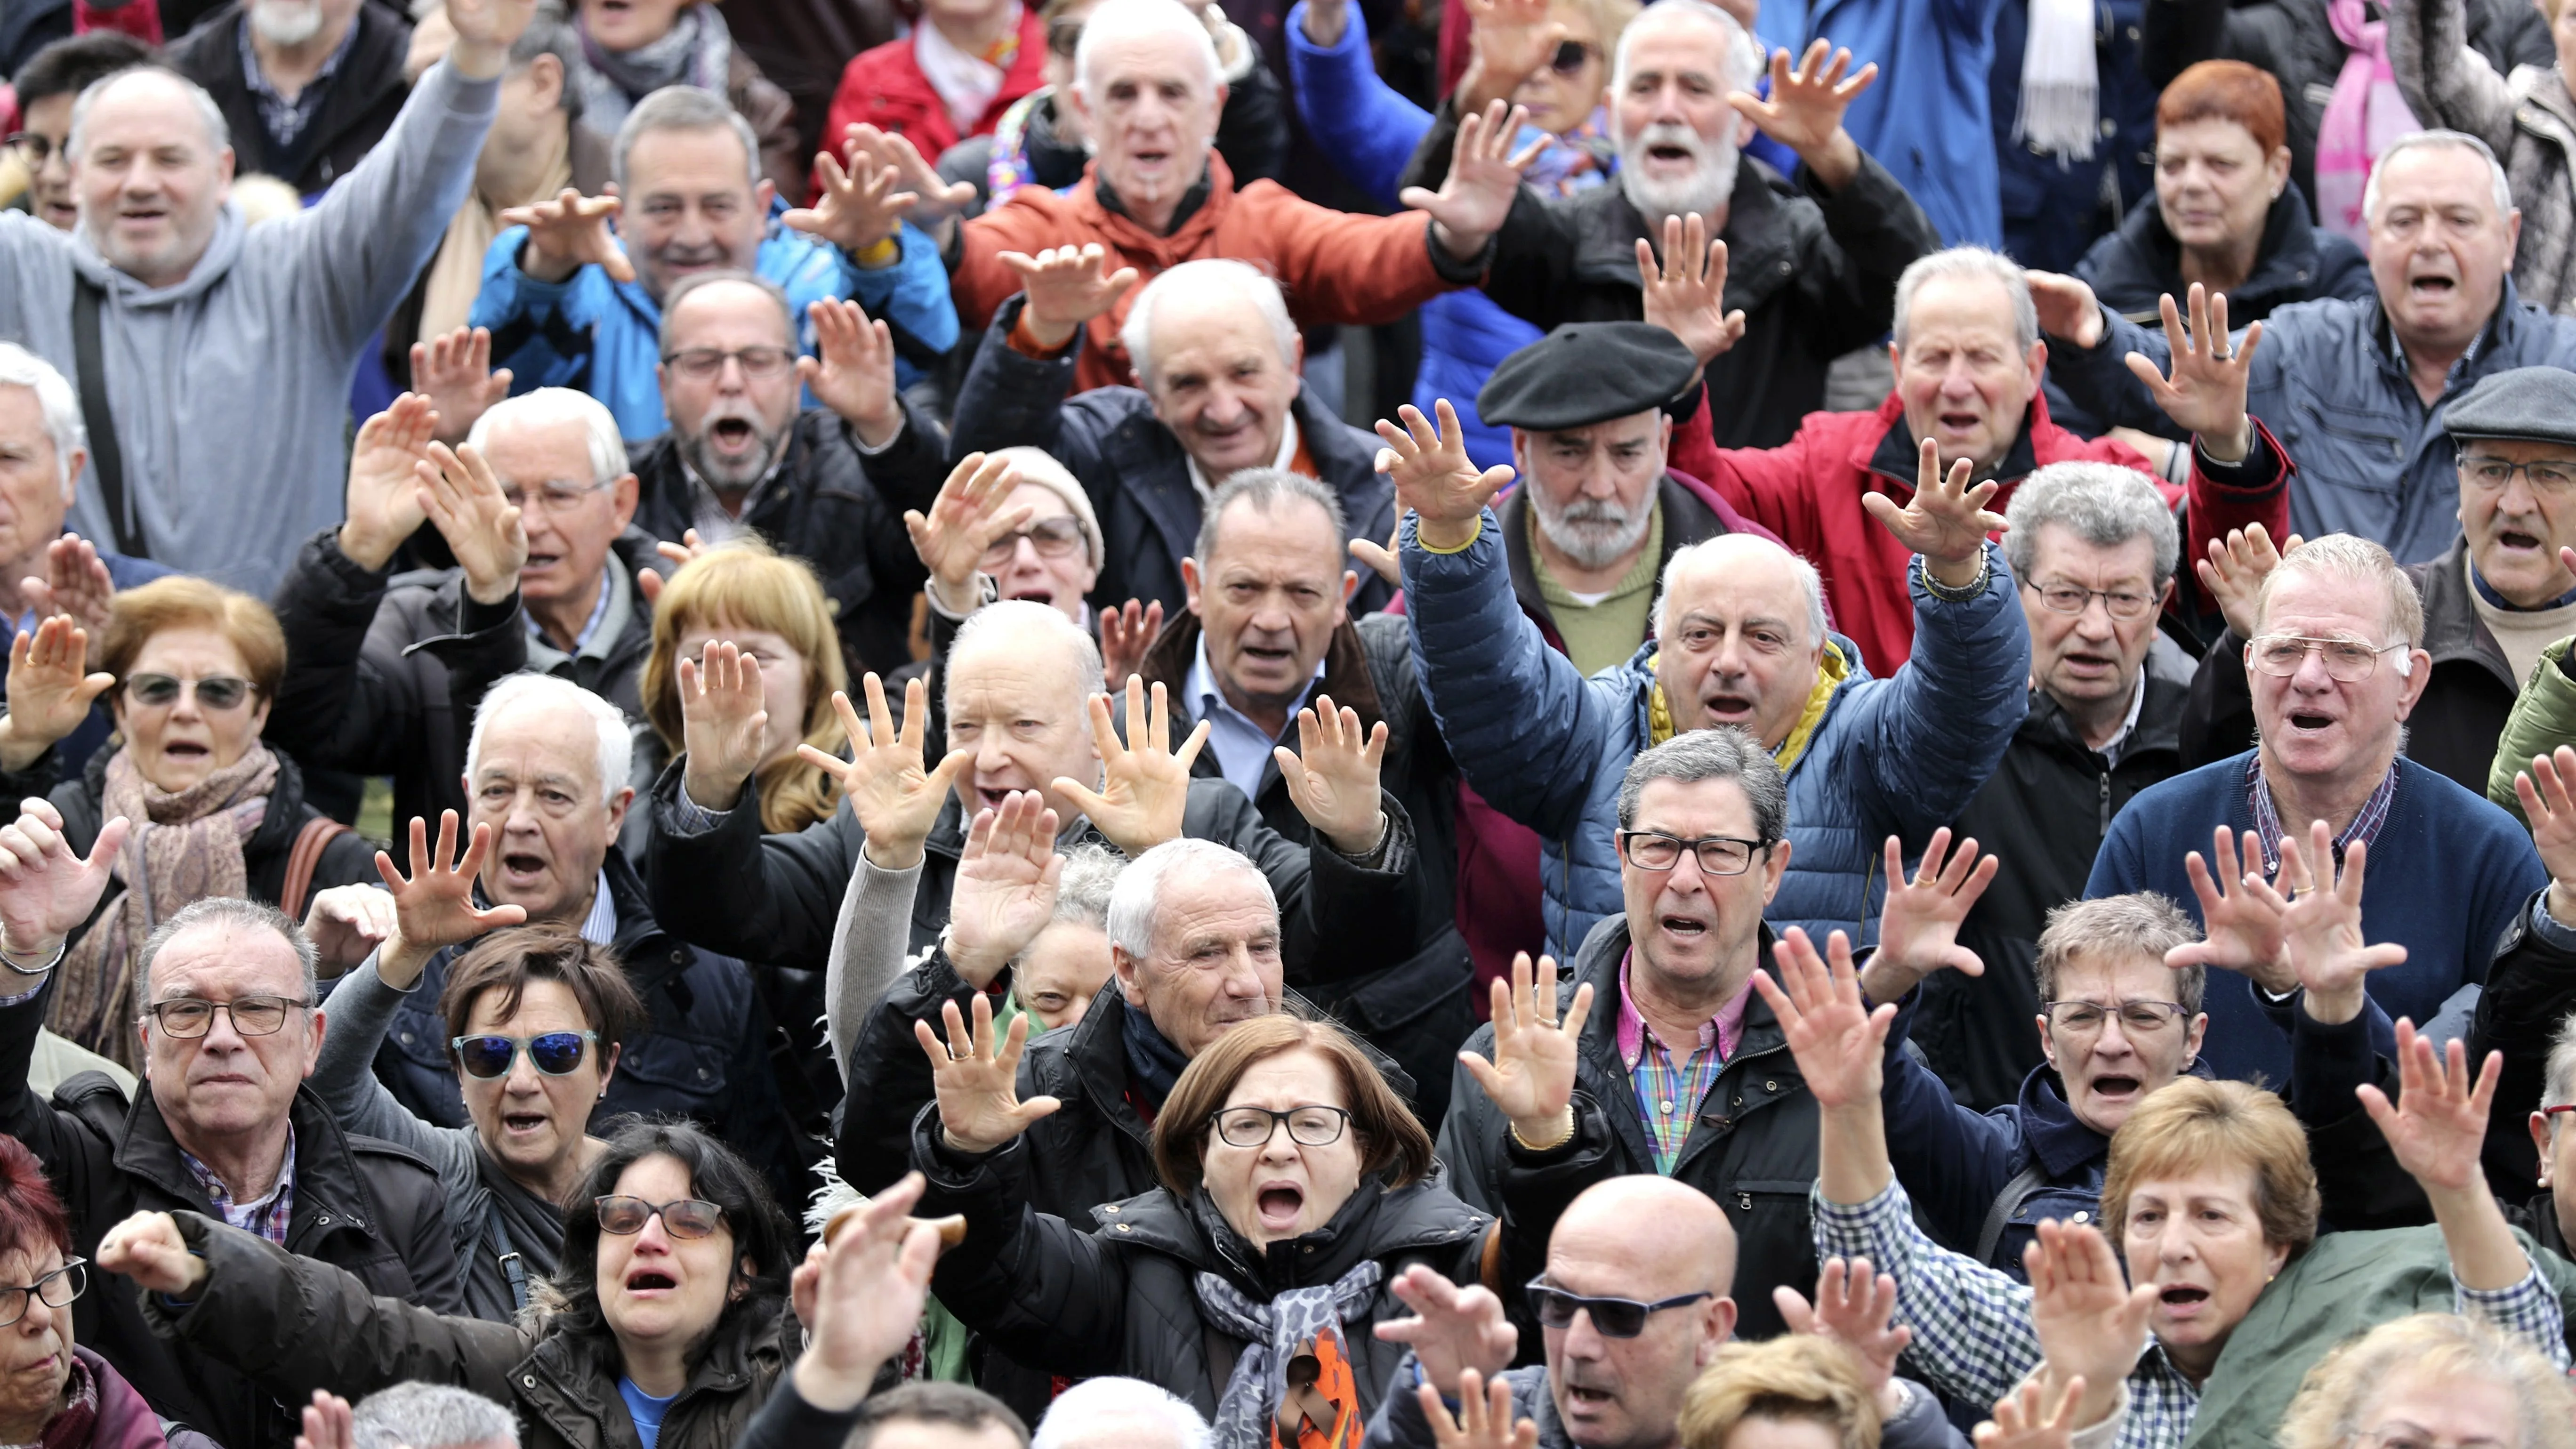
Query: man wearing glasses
[229,1033]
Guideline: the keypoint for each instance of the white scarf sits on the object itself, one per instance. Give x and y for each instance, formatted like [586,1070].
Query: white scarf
[2058,80]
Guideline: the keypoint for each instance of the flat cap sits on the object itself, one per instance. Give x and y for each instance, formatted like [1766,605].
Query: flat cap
[2535,403]
[1584,373]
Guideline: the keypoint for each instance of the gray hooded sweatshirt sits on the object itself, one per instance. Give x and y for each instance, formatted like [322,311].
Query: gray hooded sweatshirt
[231,389]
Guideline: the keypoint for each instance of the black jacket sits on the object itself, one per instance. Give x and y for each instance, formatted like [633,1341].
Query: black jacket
[1752,1150]
[2454,726]
[1815,274]
[365,95]
[829,505]
[1134,469]
[360,1204]
[2044,812]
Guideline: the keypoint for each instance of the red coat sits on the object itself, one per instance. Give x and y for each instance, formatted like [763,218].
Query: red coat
[1808,491]
[883,86]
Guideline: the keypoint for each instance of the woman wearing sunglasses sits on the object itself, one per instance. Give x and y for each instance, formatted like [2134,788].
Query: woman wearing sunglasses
[190,671]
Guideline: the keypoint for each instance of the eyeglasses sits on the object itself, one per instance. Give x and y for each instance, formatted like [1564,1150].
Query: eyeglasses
[1569,57]
[2553,476]
[698,364]
[626,1216]
[1718,854]
[37,148]
[157,691]
[553,497]
[1064,36]
[187,1017]
[2410,1437]
[2072,599]
[2137,1018]
[1307,1126]
[1611,1317]
[56,1289]
[2348,661]
[1051,537]
[556,1053]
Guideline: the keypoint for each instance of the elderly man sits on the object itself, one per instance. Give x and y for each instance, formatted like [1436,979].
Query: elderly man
[572,305]
[2338,663]
[45,88]
[1740,639]
[1968,361]
[430,1416]
[307,87]
[180,330]
[383,669]
[1812,266]
[2360,386]
[228,1034]
[1116,1413]
[1215,357]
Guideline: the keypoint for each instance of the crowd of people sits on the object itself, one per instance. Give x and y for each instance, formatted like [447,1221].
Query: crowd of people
[1226,724]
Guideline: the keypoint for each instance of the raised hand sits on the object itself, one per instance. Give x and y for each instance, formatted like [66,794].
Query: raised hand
[1144,788]
[384,484]
[1432,476]
[1918,927]
[76,582]
[2548,795]
[724,723]
[485,31]
[455,373]
[148,1249]
[972,511]
[1510,41]
[1686,294]
[852,371]
[1005,890]
[1531,1078]
[2206,393]
[327,1424]
[1805,110]
[346,922]
[1381,557]
[1836,1037]
[1067,286]
[2091,1324]
[1452,1329]
[49,691]
[976,1076]
[937,200]
[1947,522]
[2233,573]
[461,496]
[856,208]
[2321,924]
[895,793]
[648,582]
[1484,1419]
[435,908]
[2068,309]
[568,233]
[2022,1421]
[1332,776]
[1484,177]
[45,889]
[2241,930]
[2437,1129]
[859,1296]
[1127,635]
[1856,1309]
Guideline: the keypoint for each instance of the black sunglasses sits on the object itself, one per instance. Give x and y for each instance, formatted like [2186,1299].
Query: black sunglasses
[688,1217]
[220,692]
[1569,57]
[556,1053]
[1611,1317]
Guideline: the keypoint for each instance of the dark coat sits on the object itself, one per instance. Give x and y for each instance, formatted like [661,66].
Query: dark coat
[366,93]
[1134,469]
[1815,274]
[363,1206]
[2054,206]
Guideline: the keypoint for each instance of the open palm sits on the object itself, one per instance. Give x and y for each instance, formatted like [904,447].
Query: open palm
[1144,787]
[976,1076]
[1531,1078]
[1006,886]
[435,908]
[896,795]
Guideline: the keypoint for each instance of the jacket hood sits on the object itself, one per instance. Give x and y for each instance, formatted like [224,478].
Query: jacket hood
[217,263]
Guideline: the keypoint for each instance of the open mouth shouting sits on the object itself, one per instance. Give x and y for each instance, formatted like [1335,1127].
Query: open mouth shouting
[650,1282]
[2182,1302]
[519,1126]
[1279,1204]
[523,870]
[2116,1087]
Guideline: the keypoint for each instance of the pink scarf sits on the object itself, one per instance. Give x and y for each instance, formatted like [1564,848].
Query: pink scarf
[2364,115]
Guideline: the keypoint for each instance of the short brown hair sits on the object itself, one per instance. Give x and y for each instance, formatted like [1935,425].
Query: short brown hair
[2226,90]
[1392,1143]
[507,960]
[1799,1376]
[182,602]
[2142,923]
[2194,1124]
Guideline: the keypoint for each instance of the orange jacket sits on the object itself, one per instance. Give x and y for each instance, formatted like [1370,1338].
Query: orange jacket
[1337,267]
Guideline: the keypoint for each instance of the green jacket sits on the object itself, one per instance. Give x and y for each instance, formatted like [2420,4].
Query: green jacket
[2543,718]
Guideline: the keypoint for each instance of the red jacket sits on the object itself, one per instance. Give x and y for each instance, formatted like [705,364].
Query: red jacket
[1808,491]
[883,86]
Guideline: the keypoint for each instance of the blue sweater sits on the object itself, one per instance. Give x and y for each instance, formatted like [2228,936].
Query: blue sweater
[2448,871]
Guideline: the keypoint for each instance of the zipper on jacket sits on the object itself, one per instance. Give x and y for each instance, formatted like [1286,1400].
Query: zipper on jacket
[2105,828]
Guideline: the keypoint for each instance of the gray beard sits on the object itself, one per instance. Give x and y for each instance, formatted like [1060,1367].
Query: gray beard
[1591,533]
[1701,195]
[733,478]
[285,23]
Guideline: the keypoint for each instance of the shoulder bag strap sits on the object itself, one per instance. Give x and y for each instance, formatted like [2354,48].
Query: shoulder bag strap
[2006,1202]
[105,455]
[317,834]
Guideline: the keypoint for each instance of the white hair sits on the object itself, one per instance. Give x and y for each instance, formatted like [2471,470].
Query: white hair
[1134,1404]
[2417,140]
[1743,53]
[1117,20]
[1968,261]
[219,136]
[1136,899]
[1217,276]
[429,1416]
[550,405]
[55,400]
[2104,504]
[1026,622]
[616,743]
[1810,583]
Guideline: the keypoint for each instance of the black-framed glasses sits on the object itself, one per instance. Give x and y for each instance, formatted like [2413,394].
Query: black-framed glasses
[1051,537]
[1718,854]
[2065,598]
[1255,1126]
[1611,1317]
[188,1017]
[218,692]
[758,363]
[1569,57]
[686,1217]
[2137,1018]
[2347,661]
[56,1289]
[37,147]
[555,1053]
[2553,476]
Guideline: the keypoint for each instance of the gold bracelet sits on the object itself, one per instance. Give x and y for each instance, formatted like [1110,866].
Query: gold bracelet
[1563,1136]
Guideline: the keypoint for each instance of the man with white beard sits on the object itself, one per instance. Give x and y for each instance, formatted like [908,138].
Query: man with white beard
[307,86]
[1807,265]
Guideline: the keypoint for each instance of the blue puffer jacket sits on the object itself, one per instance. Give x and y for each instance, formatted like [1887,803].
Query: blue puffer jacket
[2373,459]
[1897,756]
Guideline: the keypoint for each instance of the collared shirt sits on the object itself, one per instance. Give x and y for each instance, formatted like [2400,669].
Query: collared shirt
[1287,457]
[267,1216]
[1242,748]
[1669,1086]
[284,119]
[599,633]
[2111,748]
[600,927]
[707,513]
[2267,816]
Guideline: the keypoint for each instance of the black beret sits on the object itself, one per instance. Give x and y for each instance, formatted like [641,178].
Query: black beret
[2533,403]
[1584,373]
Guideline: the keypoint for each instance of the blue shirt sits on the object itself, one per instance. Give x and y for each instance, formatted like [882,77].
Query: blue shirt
[1242,748]
[644,1409]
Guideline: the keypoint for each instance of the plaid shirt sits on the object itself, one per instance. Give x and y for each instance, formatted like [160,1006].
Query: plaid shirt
[1669,1086]
[2267,816]
[267,1216]
[1972,1325]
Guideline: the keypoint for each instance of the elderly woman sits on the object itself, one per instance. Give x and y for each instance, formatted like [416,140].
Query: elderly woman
[2432,1378]
[2524,117]
[53,1392]
[193,668]
[1801,1391]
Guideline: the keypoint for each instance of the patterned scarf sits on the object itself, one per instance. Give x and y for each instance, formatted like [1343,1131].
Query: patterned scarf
[1580,160]
[1276,1335]
[185,847]
[2365,113]
[698,51]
